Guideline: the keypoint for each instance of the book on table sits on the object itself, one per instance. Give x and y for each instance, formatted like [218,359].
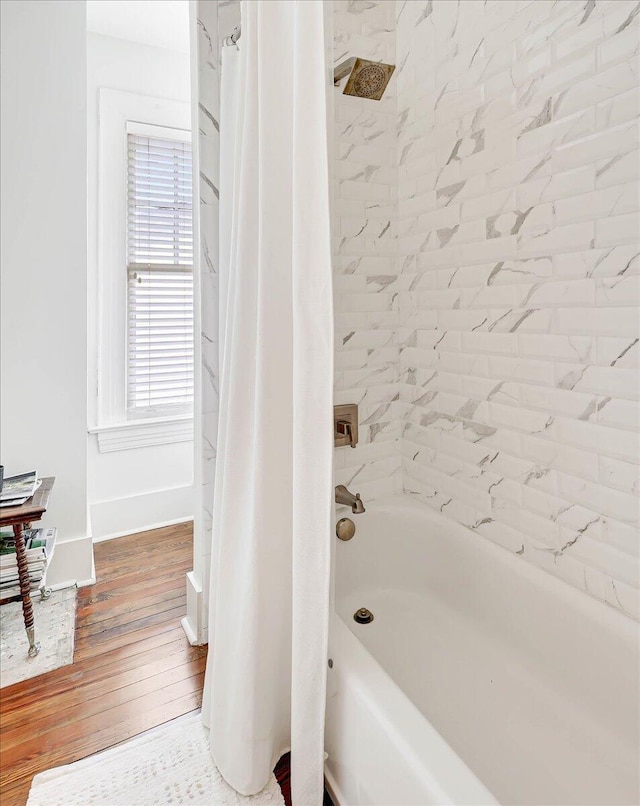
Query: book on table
[16,490]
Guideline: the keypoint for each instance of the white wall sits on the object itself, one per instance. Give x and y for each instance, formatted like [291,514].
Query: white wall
[44,244]
[136,488]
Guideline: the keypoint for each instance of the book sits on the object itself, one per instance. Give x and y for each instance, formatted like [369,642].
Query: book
[8,581]
[39,544]
[36,541]
[16,490]
[7,570]
[14,590]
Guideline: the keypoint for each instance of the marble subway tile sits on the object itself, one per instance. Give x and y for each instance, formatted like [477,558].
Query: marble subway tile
[620,46]
[619,109]
[486,263]
[618,352]
[605,84]
[598,204]
[597,321]
[618,168]
[565,184]
[619,229]
[622,476]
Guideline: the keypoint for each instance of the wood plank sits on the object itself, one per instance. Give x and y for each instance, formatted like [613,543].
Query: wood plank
[108,578]
[79,739]
[78,696]
[92,647]
[110,695]
[16,793]
[142,564]
[153,538]
[132,584]
[128,605]
[118,660]
[127,622]
[131,546]
[147,553]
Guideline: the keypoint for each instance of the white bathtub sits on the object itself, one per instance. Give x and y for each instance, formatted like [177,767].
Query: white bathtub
[481,679]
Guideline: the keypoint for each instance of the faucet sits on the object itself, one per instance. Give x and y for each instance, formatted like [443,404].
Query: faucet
[343,496]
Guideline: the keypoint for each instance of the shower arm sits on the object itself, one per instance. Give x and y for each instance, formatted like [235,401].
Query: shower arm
[342,70]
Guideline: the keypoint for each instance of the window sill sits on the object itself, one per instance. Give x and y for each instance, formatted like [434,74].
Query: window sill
[142,433]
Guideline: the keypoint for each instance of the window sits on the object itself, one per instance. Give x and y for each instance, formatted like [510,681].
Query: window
[160,272]
[141,244]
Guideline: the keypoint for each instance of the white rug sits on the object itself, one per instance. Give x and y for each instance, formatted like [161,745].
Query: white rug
[55,621]
[168,765]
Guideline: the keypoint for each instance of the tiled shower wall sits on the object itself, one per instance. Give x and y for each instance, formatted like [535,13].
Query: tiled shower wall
[486,275]
[366,283]
[518,224]
[215,21]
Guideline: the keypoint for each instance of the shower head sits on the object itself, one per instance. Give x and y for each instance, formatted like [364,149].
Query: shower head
[367,79]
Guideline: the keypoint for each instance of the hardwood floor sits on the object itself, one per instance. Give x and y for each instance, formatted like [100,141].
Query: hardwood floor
[133,668]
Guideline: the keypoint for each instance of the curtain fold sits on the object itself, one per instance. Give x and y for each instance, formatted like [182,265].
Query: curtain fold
[266,668]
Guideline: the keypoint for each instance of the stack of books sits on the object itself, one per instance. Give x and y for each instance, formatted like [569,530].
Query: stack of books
[18,489]
[39,544]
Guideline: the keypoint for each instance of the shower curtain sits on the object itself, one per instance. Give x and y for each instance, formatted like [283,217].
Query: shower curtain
[266,668]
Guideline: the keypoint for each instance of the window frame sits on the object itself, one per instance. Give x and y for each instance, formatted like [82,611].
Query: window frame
[119,110]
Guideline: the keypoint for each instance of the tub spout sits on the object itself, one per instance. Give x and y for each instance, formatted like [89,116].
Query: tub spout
[343,496]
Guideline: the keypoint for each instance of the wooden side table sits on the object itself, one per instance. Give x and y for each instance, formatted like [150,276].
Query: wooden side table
[21,518]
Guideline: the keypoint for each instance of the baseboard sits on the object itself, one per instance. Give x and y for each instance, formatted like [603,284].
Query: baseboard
[139,513]
[189,632]
[192,623]
[160,525]
[72,583]
[83,583]
[72,564]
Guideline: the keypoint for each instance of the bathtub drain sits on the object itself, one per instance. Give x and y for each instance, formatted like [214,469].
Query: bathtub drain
[363,616]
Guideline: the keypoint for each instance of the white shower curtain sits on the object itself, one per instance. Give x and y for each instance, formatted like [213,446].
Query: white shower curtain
[266,669]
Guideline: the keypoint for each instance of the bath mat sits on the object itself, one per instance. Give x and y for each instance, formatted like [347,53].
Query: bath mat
[55,622]
[170,764]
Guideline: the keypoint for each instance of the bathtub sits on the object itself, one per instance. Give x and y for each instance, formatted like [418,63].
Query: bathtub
[481,678]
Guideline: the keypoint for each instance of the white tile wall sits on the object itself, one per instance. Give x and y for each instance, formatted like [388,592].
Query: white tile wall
[486,273]
[215,22]
[366,256]
[206,292]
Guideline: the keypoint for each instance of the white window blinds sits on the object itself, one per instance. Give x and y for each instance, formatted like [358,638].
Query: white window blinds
[160,275]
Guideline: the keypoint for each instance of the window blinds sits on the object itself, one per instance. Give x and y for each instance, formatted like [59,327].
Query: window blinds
[160,276]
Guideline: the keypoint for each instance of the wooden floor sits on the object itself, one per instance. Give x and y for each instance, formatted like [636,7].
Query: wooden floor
[133,668]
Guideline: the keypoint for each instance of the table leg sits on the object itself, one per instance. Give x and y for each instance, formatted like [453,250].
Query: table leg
[25,590]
